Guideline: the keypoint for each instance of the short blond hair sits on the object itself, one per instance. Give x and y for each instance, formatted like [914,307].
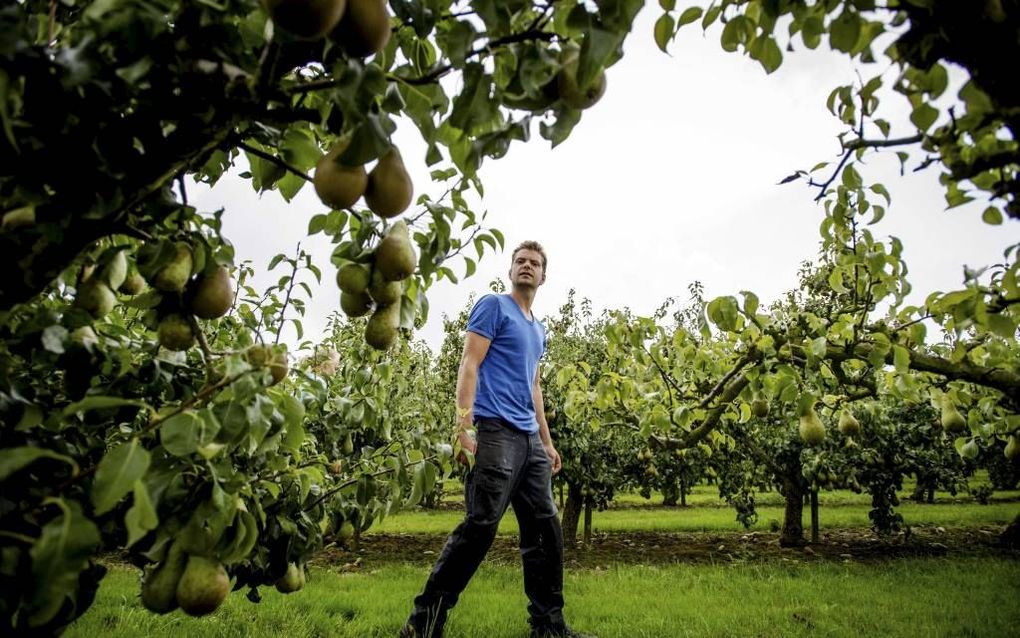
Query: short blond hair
[530,245]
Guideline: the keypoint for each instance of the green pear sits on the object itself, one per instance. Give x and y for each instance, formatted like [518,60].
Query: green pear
[970,450]
[293,580]
[339,186]
[134,283]
[95,297]
[159,587]
[212,294]
[570,92]
[174,276]
[848,423]
[1012,450]
[306,19]
[17,218]
[382,326]
[364,29]
[952,421]
[389,190]
[203,586]
[115,270]
[175,332]
[353,278]
[355,304]
[760,408]
[812,432]
[395,257]
[274,357]
[384,292]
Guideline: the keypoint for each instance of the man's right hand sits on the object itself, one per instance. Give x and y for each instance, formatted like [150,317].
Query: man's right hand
[468,445]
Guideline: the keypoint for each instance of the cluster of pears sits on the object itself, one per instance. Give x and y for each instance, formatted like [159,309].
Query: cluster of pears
[387,189]
[361,27]
[376,288]
[207,295]
[98,282]
[196,584]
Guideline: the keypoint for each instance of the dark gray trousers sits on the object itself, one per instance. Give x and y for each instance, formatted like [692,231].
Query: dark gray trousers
[511,467]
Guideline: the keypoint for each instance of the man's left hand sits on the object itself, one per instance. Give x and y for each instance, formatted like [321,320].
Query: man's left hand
[554,458]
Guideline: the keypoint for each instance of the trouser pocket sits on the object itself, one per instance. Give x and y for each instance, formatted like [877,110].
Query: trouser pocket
[489,494]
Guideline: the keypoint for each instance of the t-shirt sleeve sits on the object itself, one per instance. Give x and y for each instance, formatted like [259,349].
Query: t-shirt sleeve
[485,316]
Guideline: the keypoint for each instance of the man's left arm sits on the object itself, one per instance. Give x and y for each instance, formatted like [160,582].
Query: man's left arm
[543,425]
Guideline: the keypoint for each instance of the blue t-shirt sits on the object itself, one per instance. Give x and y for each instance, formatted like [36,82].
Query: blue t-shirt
[507,374]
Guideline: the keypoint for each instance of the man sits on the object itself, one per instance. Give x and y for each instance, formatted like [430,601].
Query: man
[499,399]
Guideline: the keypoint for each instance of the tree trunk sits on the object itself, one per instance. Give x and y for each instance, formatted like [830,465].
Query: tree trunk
[814,516]
[683,493]
[931,495]
[587,521]
[571,515]
[670,494]
[561,495]
[793,527]
[1010,537]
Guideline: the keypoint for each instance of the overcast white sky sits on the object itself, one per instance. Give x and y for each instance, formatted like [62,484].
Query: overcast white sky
[670,178]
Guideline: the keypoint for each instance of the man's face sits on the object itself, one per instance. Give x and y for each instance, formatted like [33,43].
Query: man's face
[526,269]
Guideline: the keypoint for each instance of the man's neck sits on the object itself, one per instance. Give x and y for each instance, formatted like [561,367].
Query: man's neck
[524,297]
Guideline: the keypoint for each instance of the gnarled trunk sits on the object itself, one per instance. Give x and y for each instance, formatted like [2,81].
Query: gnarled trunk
[1010,537]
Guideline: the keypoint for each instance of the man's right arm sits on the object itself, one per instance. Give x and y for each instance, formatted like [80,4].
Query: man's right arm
[475,348]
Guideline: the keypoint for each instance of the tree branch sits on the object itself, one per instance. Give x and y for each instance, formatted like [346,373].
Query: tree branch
[274,159]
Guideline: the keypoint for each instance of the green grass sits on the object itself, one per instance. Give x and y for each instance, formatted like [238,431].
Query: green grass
[928,597]
[718,519]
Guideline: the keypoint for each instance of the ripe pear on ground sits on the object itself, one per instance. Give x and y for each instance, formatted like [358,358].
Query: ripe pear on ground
[952,420]
[95,297]
[848,423]
[203,586]
[174,276]
[353,278]
[339,186]
[382,326]
[175,332]
[306,19]
[293,580]
[212,294]
[389,190]
[273,357]
[811,430]
[364,29]
[159,589]
[355,304]
[395,257]
[570,92]
[384,292]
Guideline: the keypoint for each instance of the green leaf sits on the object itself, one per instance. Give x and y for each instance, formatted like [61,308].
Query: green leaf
[117,473]
[844,31]
[15,458]
[901,358]
[690,14]
[851,178]
[992,216]
[141,518]
[58,557]
[53,338]
[180,433]
[102,402]
[923,116]
[664,30]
